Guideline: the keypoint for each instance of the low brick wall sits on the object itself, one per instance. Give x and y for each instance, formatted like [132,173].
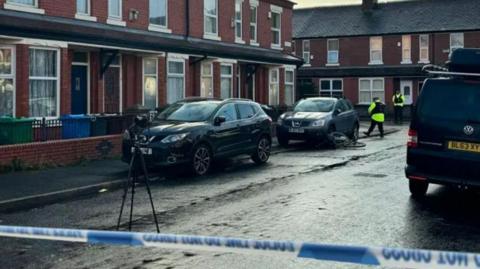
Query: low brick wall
[61,152]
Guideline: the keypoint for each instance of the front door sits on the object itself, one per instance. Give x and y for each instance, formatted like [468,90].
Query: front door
[79,89]
[406,88]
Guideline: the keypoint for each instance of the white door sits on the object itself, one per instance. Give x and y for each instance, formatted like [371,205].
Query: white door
[406,89]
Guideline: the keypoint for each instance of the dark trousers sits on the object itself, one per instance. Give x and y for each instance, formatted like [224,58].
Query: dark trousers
[373,124]
[398,114]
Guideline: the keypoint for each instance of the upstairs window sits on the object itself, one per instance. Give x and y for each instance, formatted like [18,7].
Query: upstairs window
[30,3]
[276,28]
[333,51]
[424,49]
[210,17]
[83,7]
[456,41]
[158,12]
[238,20]
[253,24]
[306,51]
[115,9]
[376,46]
[406,49]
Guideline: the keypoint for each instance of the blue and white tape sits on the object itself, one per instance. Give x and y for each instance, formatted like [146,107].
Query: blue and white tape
[387,257]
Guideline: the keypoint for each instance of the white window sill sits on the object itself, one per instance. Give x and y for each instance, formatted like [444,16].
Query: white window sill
[276,47]
[159,28]
[85,17]
[424,62]
[239,41]
[23,8]
[253,43]
[306,65]
[212,37]
[406,62]
[375,63]
[116,22]
[337,64]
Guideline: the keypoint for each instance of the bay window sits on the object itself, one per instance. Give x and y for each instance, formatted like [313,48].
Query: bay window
[289,87]
[150,85]
[210,14]
[331,88]
[206,85]
[158,12]
[333,51]
[370,88]
[43,82]
[226,82]
[175,81]
[376,46]
[7,81]
[273,87]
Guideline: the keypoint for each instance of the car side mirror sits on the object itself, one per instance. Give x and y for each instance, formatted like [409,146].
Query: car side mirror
[219,120]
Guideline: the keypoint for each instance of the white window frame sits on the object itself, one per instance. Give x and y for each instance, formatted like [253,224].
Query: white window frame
[238,76]
[12,76]
[427,48]
[150,75]
[119,65]
[176,75]
[202,76]
[87,64]
[306,54]
[207,35]
[406,49]
[292,83]
[371,90]
[276,10]
[254,8]
[331,91]
[58,79]
[337,62]
[270,83]
[9,4]
[222,76]
[239,22]
[85,16]
[114,19]
[158,27]
[452,48]
[371,40]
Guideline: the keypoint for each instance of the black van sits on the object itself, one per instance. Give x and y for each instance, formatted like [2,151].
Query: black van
[444,135]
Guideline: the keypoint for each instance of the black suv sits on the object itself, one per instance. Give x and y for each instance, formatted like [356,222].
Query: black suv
[196,131]
[444,135]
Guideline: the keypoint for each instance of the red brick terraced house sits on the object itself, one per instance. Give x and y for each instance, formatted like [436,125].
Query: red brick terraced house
[371,50]
[62,57]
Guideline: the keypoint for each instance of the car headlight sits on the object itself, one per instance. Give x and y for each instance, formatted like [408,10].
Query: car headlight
[318,123]
[174,138]
[126,135]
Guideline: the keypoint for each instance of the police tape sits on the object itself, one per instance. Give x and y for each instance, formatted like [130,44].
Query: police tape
[373,256]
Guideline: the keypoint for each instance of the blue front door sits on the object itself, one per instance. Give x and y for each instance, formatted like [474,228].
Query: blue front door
[79,89]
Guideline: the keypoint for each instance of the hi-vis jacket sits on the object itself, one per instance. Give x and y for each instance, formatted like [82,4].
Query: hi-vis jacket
[376,111]
[398,100]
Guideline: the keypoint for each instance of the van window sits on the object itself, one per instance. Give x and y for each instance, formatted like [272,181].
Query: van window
[453,100]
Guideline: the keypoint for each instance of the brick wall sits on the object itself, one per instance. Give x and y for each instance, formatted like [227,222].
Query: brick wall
[62,152]
[22,92]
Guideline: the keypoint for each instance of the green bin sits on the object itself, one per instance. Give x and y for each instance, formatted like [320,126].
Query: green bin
[15,131]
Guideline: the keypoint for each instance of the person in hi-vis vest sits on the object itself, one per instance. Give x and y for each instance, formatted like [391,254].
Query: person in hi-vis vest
[398,102]
[377,114]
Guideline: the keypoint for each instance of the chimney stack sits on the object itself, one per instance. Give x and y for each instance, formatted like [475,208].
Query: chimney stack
[368,5]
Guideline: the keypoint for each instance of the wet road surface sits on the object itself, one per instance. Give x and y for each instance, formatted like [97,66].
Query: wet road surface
[346,196]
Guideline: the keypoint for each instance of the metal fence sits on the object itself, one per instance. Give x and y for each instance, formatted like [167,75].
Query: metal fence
[20,131]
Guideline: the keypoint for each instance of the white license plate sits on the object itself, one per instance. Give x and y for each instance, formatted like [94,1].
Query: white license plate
[145,151]
[297,130]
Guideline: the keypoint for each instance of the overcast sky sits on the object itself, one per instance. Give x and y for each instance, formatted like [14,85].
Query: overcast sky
[314,3]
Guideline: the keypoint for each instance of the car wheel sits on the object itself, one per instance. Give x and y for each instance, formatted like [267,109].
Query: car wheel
[355,133]
[201,160]
[418,189]
[262,151]
[283,141]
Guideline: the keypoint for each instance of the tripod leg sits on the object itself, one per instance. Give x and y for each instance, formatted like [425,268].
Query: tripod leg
[147,184]
[134,180]
[125,191]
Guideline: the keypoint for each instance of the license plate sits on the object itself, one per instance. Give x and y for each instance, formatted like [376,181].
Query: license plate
[297,130]
[145,151]
[464,146]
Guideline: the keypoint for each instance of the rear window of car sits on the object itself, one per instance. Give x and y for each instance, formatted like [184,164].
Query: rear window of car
[246,111]
[454,100]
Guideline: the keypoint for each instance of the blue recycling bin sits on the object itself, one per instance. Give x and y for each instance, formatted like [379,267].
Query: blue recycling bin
[75,126]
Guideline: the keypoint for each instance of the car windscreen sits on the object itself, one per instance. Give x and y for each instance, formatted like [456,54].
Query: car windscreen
[450,100]
[320,105]
[190,112]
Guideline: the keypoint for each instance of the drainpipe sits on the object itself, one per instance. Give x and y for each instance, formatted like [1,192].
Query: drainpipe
[187,18]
